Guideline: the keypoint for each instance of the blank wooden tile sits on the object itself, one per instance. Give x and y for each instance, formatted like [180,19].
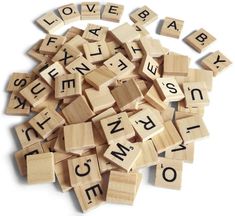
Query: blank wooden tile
[120,65]
[169,173]
[200,40]
[78,111]
[73,32]
[46,122]
[84,170]
[50,22]
[94,33]
[18,81]
[143,16]
[148,156]
[22,154]
[183,152]
[51,44]
[36,92]
[176,65]
[125,33]
[112,12]
[195,94]
[90,10]
[99,100]
[146,124]
[17,105]
[96,52]
[69,13]
[167,138]
[117,127]
[172,27]
[121,187]
[68,85]
[40,168]
[51,72]
[127,94]
[90,195]
[133,51]
[123,153]
[216,62]
[140,29]
[77,42]
[192,128]
[168,89]
[191,110]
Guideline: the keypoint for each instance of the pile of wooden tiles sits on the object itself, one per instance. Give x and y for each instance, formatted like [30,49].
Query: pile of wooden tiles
[107,103]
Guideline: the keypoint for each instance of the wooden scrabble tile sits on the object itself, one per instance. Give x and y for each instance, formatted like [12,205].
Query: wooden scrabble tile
[156,112]
[200,40]
[94,33]
[133,51]
[50,22]
[66,55]
[51,72]
[22,154]
[168,89]
[77,42]
[192,128]
[84,170]
[17,105]
[167,138]
[73,32]
[78,111]
[127,94]
[51,44]
[200,75]
[62,175]
[100,77]
[18,81]
[149,68]
[46,122]
[69,13]
[40,168]
[143,16]
[120,65]
[172,27]
[36,92]
[184,152]
[68,85]
[125,33]
[112,12]
[80,65]
[117,127]
[176,65]
[146,124]
[216,62]
[148,156]
[121,187]
[90,195]
[96,52]
[195,94]
[35,53]
[123,153]
[90,10]
[153,98]
[78,137]
[169,173]
[99,99]
[140,29]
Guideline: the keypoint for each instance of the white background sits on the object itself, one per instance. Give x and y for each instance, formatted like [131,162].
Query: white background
[208,185]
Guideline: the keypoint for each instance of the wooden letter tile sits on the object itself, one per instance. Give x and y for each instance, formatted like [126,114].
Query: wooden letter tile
[133,51]
[112,12]
[94,33]
[90,10]
[69,13]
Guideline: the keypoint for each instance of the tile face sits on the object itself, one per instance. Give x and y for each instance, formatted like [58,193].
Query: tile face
[216,62]
[143,16]
[84,170]
[40,168]
[94,33]
[192,128]
[146,124]
[196,94]
[169,173]
[124,154]
[112,12]
[121,188]
[172,27]
[69,13]
[117,127]
[200,40]
[90,10]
